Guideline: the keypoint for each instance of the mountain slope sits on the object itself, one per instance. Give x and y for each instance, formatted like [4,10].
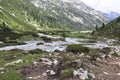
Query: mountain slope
[72,13]
[111,29]
[12,12]
[6,33]
[22,15]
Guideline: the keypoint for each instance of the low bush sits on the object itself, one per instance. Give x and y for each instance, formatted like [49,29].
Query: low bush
[106,50]
[77,48]
[36,51]
[46,39]
[115,54]
[67,73]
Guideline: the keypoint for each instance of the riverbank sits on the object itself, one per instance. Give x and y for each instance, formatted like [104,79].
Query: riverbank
[60,57]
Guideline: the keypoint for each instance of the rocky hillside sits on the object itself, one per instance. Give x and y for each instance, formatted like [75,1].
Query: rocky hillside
[22,15]
[111,29]
[72,13]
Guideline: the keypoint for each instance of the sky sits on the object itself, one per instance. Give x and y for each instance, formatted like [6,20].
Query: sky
[104,5]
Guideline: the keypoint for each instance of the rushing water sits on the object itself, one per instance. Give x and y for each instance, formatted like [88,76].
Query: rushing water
[55,45]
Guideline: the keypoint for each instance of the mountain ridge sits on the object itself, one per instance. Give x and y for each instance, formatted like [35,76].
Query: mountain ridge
[76,12]
[111,15]
[23,15]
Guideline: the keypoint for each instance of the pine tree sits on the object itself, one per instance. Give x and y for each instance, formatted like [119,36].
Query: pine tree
[103,26]
[4,24]
[96,27]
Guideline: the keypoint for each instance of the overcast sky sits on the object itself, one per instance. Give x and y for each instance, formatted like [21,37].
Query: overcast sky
[104,5]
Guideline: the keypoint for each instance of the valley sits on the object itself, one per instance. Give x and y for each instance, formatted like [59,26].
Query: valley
[57,40]
[46,57]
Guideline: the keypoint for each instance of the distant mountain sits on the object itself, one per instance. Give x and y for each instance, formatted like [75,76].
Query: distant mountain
[111,30]
[111,15]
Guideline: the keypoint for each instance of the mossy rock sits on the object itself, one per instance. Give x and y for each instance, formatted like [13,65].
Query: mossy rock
[77,48]
[40,43]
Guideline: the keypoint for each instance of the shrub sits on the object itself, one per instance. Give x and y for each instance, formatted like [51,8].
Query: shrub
[67,73]
[77,48]
[115,54]
[46,39]
[106,50]
[35,35]
[36,51]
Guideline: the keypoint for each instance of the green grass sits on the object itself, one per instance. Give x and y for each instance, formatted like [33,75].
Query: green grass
[28,38]
[55,31]
[11,75]
[78,34]
[12,43]
[12,71]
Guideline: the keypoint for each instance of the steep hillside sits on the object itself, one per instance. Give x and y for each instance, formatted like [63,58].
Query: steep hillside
[111,29]
[14,14]
[22,15]
[6,33]
[73,14]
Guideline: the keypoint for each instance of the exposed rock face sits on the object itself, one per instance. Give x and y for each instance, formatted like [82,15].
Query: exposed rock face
[74,13]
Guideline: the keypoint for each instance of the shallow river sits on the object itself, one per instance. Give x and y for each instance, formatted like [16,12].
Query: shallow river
[55,45]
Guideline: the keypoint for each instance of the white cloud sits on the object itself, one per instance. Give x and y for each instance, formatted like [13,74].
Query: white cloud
[104,5]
